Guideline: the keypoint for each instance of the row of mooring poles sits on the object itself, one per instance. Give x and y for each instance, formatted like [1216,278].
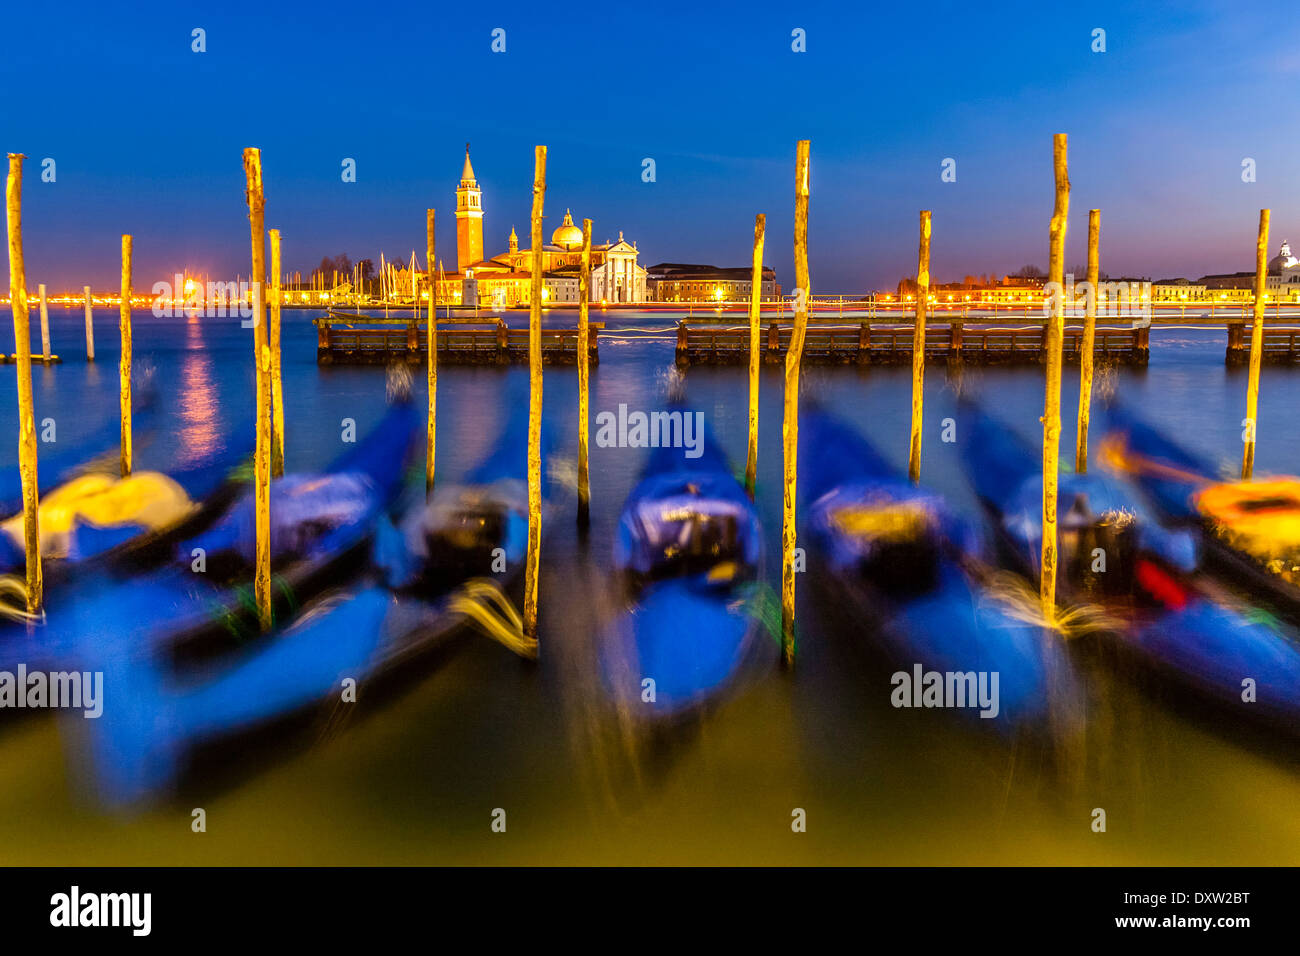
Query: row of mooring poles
[27,457]
[1055,340]
[532,564]
[1055,336]
[269,457]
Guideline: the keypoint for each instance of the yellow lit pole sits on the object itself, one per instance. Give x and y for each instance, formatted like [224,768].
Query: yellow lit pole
[1052,400]
[26,407]
[1089,340]
[1256,348]
[533,565]
[584,378]
[124,367]
[755,343]
[277,379]
[431,343]
[918,348]
[262,365]
[790,424]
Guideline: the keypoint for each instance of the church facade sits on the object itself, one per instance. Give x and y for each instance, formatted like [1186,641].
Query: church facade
[505,280]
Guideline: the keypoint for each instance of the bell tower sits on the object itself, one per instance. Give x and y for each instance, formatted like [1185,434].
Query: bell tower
[469,218]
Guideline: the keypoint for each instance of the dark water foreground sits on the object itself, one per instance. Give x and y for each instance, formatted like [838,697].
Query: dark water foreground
[413,775]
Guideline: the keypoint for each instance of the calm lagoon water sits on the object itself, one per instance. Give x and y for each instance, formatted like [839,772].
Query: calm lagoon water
[414,778]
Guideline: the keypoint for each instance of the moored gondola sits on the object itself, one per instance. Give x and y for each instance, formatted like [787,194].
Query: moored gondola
[1115,556]
[1249,530]
[688,553]
[199,602]
[451,562]
[901,558]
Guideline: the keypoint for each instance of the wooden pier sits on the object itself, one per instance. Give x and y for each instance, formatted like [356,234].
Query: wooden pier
[37,359]
[872,345]
[361,340]
[1279,347]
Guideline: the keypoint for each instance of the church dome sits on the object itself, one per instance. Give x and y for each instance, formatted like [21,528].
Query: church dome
[567,236]
[1283,260]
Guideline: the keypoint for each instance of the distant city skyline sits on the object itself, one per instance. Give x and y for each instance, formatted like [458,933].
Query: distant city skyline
[146,135]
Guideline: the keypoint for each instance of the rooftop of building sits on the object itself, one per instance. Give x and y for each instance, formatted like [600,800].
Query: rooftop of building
[688,271]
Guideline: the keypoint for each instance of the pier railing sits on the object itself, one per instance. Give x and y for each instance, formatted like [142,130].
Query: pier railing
[867,344]
[370,341]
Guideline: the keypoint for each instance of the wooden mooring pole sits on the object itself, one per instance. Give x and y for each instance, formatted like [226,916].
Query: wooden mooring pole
[124,366]
[431,342]
[918,348]
[755,353]
[262,365]
[1088,344]
[1052,398]
[533,565]
[45,323]
[90,327]
[584,378]
[1256,348]
[790,424]
[26,407]
[277,380]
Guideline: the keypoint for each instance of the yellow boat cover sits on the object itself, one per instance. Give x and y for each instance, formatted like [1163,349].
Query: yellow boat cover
[147,499]
[885,520]
[1260,518]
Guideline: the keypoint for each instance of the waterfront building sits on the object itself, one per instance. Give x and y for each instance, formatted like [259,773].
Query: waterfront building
[505,280]
[1178,290]
[1007,290]
[1281,283]
[686,282]
[1229,286]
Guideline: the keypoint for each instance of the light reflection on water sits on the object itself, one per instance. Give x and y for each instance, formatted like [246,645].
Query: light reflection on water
[197,397]
[415,778]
